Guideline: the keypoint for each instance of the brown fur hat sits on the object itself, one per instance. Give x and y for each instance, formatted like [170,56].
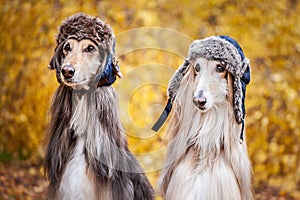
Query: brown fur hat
[81,26]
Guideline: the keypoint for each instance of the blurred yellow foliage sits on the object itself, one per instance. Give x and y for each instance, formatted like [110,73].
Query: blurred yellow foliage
[268,31]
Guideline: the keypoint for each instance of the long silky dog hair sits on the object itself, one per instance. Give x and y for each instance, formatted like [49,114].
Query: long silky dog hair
[87,156]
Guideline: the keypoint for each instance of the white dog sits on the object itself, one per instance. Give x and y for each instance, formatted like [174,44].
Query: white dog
[207,155]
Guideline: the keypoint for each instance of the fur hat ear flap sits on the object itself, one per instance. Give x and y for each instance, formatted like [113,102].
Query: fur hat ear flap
[176,79]
[111,68]
[238,100]
[239,85]
[56,61]
[172,91]
[114,61]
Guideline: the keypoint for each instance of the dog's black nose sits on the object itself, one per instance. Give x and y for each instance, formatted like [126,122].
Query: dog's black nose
[68,71]
[200,102]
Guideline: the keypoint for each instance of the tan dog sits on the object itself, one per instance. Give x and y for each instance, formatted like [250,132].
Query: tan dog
[87,156]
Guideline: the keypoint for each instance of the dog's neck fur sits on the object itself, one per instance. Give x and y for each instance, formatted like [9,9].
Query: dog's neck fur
[96,121]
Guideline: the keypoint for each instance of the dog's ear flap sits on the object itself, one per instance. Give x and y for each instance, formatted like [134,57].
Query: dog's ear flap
[56,61]
[114,61]
[111,67]
[229,78]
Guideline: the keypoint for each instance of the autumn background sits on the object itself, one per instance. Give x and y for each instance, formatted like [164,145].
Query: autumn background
[152,41]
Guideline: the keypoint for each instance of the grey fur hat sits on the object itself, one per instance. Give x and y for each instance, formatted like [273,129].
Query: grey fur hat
[215,48]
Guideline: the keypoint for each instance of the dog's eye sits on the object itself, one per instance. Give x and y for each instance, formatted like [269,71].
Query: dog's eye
[220,68]
[67,47]
[90,49]
[197,67]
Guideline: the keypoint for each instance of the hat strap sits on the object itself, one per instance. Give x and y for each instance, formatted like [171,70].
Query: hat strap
[242,132]
[163,117]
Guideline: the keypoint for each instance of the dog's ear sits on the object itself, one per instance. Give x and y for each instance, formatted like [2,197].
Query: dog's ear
[230,87]
[56,61]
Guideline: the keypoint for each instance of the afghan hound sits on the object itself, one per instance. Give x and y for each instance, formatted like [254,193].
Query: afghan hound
[87,156]
[207,155]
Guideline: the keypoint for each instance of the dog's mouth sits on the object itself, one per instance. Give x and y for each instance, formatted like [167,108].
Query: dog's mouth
[202,109]
[69,81]
[200,103]
[75,84]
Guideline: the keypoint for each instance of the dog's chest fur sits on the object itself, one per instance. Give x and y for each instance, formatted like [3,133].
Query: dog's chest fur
[75,182]
[202,182]
[78,180]
[212,163]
